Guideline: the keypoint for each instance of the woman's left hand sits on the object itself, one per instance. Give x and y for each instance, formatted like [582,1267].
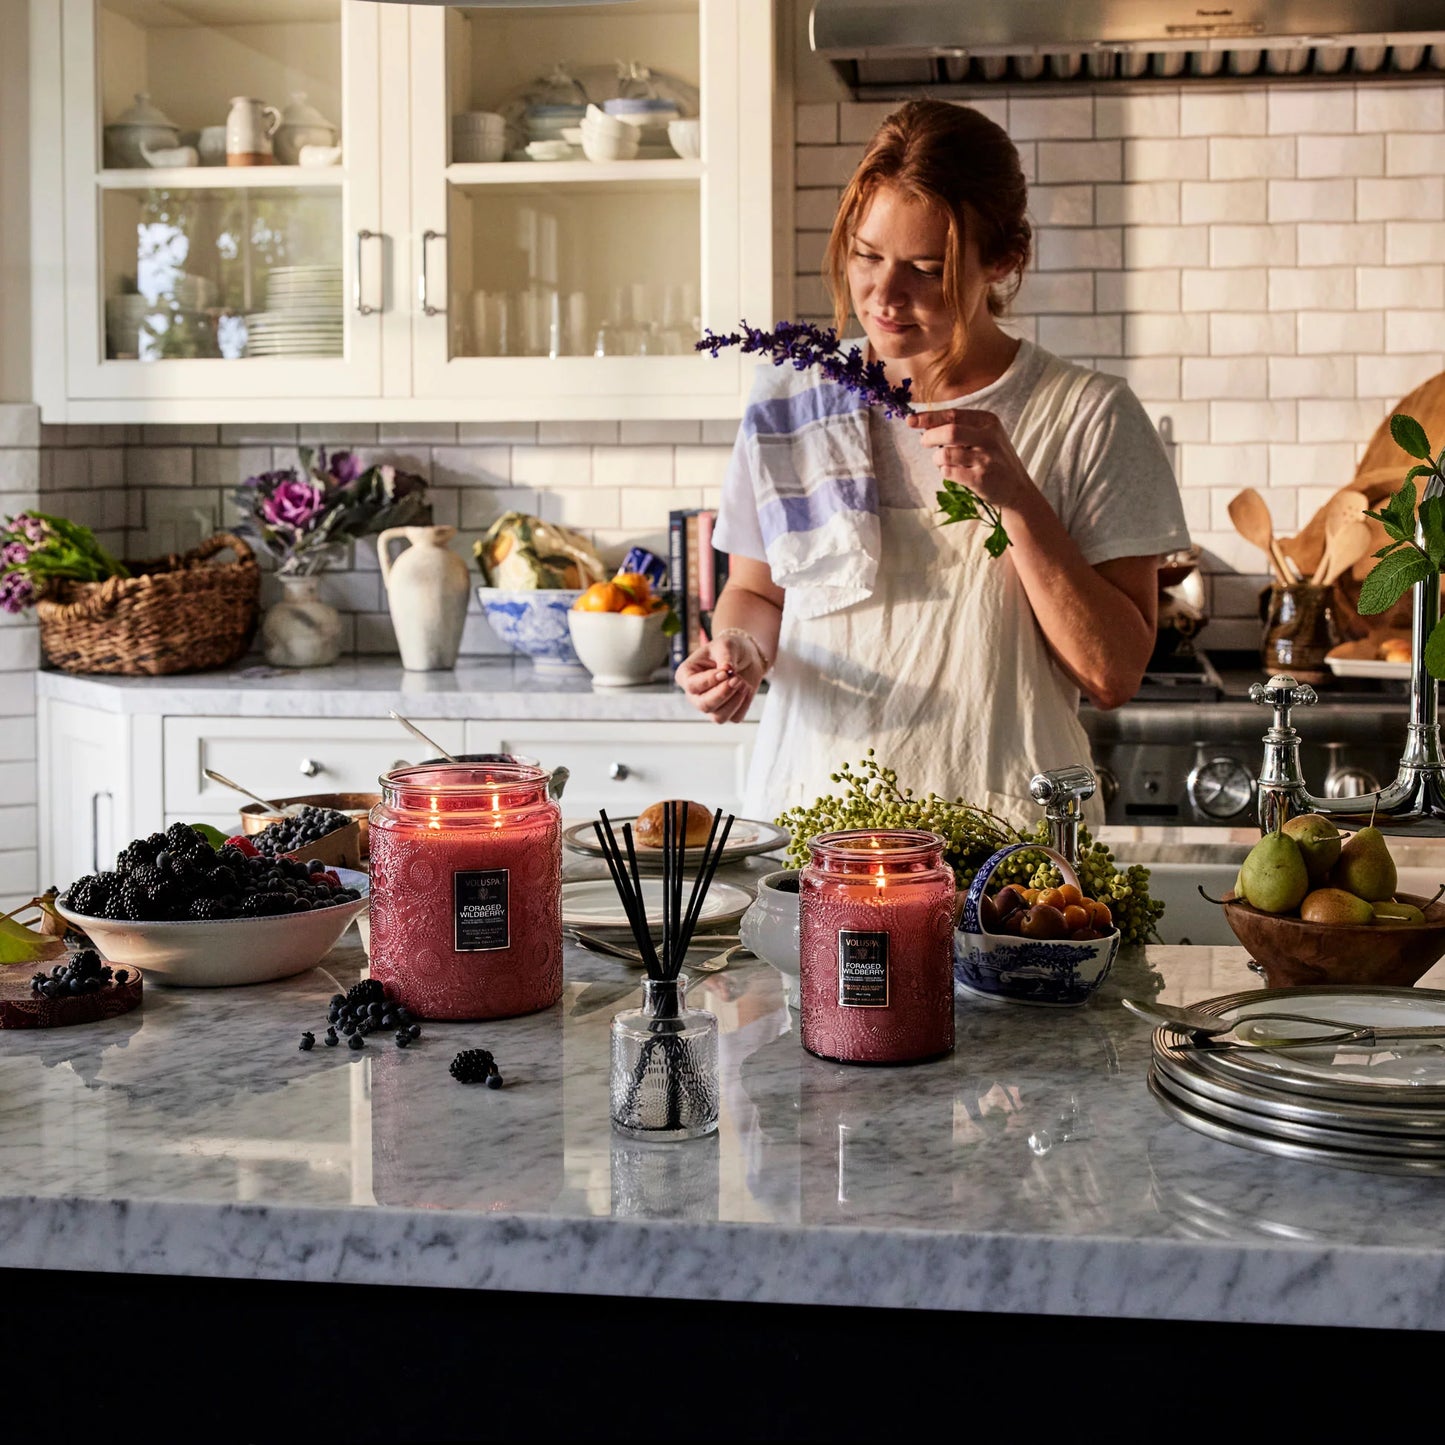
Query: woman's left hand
[972,449]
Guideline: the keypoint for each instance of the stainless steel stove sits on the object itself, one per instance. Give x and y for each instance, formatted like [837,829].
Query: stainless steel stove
[1188,748]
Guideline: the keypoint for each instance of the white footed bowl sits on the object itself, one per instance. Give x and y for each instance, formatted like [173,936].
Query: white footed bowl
[618,651]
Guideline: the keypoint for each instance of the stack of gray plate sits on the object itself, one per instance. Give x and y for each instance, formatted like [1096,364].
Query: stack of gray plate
[304,314]
[1377,1107]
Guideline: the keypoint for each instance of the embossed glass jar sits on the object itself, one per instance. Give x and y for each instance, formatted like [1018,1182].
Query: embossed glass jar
[876,963]
[466,890]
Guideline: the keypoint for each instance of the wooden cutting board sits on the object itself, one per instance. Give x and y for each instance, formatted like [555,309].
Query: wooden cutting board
[20,1008]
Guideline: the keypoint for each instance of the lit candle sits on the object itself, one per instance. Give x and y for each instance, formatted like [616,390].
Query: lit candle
[466,890]
[876,964]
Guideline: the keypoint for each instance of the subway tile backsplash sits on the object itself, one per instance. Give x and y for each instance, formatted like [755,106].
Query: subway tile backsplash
[1264,264]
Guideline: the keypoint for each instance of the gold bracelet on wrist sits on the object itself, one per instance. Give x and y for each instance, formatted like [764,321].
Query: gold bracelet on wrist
[744,633]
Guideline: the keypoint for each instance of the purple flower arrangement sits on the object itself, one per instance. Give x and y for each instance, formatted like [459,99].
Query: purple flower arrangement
[304,518]
[37,552]
[799,345]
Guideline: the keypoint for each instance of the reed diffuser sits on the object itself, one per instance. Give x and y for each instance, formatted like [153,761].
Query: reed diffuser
[664,1055]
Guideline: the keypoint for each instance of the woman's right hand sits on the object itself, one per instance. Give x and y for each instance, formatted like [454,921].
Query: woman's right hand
[721,676]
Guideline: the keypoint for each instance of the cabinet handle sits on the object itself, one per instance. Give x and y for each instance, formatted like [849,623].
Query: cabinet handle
[427,309]
[362,309]
[95,830]
[619,772]
[309,768]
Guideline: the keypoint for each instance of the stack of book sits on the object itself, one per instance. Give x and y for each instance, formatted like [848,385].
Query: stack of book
[696,574]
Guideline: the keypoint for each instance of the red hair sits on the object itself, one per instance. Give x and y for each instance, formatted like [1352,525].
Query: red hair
[965,167]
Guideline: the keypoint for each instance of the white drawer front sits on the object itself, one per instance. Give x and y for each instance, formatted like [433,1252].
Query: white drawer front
[624,767]
[280,757]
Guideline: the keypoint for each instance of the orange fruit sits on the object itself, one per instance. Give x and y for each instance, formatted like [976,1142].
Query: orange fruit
[1103,918]
[637,587]
[636,609]
[602,597]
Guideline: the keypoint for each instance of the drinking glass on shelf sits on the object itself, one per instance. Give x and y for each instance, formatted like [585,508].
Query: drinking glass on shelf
[578,337]
[493,332]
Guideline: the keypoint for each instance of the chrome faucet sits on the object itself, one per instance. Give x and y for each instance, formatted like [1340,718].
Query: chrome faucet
[1063,792]
[1415,801]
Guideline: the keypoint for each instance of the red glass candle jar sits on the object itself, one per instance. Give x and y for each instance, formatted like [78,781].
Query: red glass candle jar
[466,890]
[876,964]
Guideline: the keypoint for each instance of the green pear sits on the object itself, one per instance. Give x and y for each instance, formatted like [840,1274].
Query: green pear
[1392,913]
[1274,875]
[1239,882]
[1365,867]
[1319,841]
[1334,905]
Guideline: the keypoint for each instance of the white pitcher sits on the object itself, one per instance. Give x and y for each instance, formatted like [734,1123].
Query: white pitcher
[427,589]
[249,128]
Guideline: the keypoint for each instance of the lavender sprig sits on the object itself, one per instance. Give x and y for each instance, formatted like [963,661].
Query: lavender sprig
[801,346]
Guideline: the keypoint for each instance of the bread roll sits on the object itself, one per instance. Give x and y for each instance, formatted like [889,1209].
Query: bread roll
[648,827]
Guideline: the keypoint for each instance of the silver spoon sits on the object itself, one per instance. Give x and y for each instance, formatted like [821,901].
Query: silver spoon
[288,810]
[420,736]
[1185,1020]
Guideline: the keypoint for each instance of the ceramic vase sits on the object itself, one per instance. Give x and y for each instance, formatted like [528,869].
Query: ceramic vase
[427,589]
[301,630]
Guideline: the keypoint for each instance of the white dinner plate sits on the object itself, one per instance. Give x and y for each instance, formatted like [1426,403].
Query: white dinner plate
[1357,659]
[748,836]
[593,903]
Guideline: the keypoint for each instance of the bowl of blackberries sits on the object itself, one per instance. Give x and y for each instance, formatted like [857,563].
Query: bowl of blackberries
[191,913]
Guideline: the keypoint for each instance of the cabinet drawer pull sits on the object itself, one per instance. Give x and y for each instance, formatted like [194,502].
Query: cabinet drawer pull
[427,309]
[619,772]
[362,307]
[309,768]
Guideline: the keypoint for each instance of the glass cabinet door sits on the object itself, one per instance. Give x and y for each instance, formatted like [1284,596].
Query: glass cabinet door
[223,225]
[576,219]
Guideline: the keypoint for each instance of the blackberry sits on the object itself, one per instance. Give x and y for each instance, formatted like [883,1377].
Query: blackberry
[83,972]
[473,1066]
[208,908]
[127,903]
[182,839]
[85,895]
[146,875]
[367,992]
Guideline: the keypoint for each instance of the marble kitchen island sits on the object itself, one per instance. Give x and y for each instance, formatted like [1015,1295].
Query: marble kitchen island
[1027,1181]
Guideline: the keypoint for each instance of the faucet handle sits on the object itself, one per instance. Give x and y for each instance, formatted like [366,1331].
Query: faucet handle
[1061,790]
[1282,693]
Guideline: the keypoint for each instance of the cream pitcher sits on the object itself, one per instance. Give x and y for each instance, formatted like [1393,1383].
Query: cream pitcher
[427,588]
[249,128]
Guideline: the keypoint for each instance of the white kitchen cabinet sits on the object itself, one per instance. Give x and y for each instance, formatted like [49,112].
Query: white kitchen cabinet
[100,786]
[444,289]
[625,768]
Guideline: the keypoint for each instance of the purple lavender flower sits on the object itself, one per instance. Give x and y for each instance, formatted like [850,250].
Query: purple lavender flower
[14,554]
[17,592]
[294,504]
[802,346]
[34,529]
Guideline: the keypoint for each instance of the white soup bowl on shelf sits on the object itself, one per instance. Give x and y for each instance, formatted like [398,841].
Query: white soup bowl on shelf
[685,137]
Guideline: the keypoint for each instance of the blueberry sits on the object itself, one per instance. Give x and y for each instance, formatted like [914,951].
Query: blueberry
[308,1040]
[337,1000]
[494,1081]
[415,1031]
[331,1039]
[356,1042]
[403,1039]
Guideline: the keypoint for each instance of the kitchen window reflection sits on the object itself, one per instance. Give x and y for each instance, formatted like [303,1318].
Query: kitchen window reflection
[223,274]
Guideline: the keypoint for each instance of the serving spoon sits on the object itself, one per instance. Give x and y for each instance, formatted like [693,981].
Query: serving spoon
[286,811]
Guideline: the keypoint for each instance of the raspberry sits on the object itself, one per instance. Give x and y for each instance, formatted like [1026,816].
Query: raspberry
[243,845]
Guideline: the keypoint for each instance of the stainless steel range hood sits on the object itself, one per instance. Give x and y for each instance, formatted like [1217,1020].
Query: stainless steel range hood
[890,45]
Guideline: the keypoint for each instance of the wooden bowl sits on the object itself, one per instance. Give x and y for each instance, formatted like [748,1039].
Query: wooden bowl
[1292,952]
[357,805]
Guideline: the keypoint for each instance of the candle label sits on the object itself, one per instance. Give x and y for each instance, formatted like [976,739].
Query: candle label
[862,969]
[482,921]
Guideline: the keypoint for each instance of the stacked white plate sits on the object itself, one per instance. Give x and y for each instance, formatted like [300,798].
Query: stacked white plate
[304,314]
[1378,1107]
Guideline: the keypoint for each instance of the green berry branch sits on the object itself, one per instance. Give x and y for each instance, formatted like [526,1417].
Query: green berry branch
[1416,549]
[871,798]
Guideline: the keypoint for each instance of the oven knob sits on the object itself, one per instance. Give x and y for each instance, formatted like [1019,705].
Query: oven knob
[1108,785]
[1220,788]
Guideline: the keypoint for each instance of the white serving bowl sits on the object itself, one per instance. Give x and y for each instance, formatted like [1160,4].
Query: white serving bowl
[619,651]
[772,927]
[225,951]
[600,123]
[685,137]
[482,147]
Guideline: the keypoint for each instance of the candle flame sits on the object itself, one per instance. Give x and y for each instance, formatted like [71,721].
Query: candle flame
[434,821]
[879,878]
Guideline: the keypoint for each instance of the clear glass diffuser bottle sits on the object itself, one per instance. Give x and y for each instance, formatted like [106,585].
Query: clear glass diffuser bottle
[664,1066]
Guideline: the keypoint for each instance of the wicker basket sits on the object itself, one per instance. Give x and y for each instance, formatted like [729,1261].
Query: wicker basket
[172,615]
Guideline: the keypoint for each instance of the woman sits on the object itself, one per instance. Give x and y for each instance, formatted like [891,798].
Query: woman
[877,626]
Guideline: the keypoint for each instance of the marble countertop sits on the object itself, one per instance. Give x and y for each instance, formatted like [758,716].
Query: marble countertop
[481,689]
[1029,1172]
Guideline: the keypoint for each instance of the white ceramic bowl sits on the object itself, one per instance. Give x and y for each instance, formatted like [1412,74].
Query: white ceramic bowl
[227,951]
[685,137]
[771,928]
[534,622]
[619,651]
[600,123]
[479,147]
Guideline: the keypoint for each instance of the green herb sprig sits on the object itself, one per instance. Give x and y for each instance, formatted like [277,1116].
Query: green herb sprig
[959,504]
[1416,550]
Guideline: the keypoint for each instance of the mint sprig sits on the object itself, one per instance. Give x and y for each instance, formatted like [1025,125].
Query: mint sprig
[960,504]
[1416,549]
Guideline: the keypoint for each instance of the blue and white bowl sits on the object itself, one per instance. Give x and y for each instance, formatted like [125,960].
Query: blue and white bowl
[1056,973]
[535,623]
